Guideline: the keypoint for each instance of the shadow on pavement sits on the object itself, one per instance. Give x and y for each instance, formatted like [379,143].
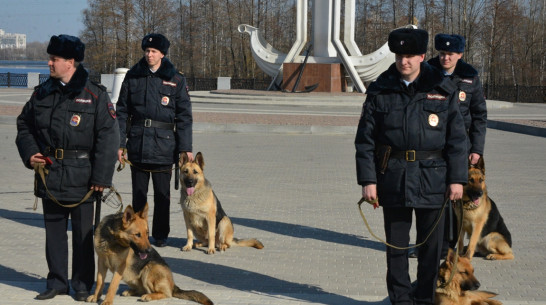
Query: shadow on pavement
[26,218]
[306,232]
[253,282]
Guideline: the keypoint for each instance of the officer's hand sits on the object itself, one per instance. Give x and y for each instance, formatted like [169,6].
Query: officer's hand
[455,191]
[369,193]
[37,158]
[474,158]
[190,156]
[98,188]
[121,155]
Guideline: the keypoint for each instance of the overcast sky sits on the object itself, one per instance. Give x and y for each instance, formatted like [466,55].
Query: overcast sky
[40,19]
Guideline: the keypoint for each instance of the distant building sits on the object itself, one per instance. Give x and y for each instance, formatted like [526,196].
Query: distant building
[12,41]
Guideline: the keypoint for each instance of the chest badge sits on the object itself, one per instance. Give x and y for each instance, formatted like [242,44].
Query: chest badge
[75,120]
[165,101]
[433,120]
[462,96]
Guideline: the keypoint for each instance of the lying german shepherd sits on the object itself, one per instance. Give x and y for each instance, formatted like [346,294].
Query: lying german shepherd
[461,290]
[205,219]
[482,220]
[122,245]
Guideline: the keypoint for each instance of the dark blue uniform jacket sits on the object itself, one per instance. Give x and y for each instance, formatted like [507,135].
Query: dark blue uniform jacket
[471,101]
[78,116]
[424,117]
[161,96]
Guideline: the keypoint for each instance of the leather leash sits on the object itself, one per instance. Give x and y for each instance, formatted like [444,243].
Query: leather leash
[40,169]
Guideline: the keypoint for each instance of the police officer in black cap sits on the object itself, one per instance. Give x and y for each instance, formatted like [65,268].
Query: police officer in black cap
[471,103]
[68,131]
[154,99]
[470,92]
[411,157]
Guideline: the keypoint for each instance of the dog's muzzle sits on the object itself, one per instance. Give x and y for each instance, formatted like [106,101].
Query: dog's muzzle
[190,186]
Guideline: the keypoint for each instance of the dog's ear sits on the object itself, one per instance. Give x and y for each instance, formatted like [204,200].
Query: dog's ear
[450,256]
[128,216]
[481,164]
[184,158]
[144,213]
[200,160]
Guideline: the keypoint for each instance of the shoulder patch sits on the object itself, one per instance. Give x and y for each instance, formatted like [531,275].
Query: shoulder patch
[467,80]
[437,97]
[112,110]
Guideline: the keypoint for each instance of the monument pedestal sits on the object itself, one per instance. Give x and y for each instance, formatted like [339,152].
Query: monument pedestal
[329,77]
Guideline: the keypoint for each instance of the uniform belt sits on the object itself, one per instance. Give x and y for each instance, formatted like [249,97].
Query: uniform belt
[416,155]
[59,153]
[156,124]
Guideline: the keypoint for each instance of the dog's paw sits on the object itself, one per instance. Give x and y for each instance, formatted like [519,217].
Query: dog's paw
[186,248]
[91,299]
[211,251]
[146,298]
[127,293]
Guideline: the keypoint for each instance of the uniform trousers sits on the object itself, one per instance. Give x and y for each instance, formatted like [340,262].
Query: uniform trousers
[83,261]
[397,223]
[161,179]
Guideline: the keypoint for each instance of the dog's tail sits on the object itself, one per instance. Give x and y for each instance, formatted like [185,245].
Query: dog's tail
[252,242]
[191,295]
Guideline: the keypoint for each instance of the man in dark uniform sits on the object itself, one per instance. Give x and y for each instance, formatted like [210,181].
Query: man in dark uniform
[410,156]
[155,100]
[69,127]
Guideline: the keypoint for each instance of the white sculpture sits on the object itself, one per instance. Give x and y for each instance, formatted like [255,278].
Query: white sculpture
[327,45]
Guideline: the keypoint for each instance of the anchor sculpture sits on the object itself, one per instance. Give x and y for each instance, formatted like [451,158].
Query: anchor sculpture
[327,45]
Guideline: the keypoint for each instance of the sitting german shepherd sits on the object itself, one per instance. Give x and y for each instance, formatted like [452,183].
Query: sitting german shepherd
[461,289]
[205,219]
[482,220]
[122,245]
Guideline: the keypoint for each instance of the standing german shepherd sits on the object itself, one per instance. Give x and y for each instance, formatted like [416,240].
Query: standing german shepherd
[461,290]
[482,220]
[122,245]
[205,219]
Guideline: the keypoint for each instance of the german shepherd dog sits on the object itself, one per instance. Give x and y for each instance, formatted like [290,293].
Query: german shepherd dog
[461,290]
[482,220]
[205,219]
[122,245]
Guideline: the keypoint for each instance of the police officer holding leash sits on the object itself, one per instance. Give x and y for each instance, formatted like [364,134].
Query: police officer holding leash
[155,120]
[68,133]
[470,98]
[410,156]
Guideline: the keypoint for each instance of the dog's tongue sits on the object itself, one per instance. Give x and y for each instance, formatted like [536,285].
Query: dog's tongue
[190,190]
[476,201]
[142,255]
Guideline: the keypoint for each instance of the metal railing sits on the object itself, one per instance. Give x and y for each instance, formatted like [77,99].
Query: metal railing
[515,94]
[13,79]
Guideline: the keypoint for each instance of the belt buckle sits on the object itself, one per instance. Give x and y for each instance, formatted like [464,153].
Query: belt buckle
[410,155]
[147,123]
[59,153]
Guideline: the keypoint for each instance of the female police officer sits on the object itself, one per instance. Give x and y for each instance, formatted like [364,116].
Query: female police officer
[410,154]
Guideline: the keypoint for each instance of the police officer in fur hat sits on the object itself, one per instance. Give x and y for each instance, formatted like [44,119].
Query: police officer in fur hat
[68,130]
[410,157]
[154,99]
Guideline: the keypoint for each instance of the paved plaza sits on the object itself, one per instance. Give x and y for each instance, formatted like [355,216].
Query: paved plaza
[295,190]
